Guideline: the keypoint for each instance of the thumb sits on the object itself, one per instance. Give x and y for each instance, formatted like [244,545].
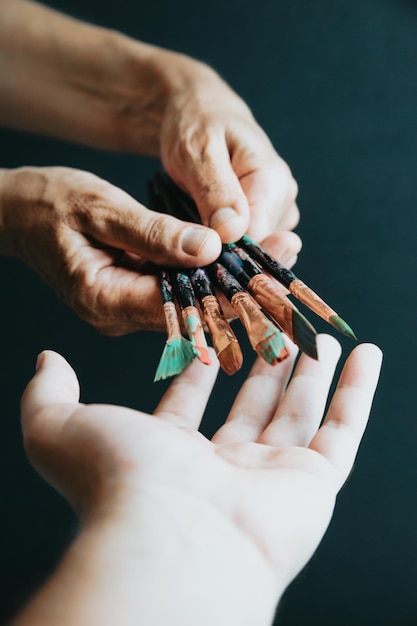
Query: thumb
[122,222]
[55,383]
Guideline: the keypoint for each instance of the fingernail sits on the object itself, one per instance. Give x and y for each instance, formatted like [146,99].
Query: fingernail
[193,240]
[222,216]
[40,360]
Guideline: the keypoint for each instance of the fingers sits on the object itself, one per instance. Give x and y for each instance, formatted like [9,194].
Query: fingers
[301,409]
[236,178]
[339,437]
[54,383]
[116,300]
[271,192]
[207,175]
[284,246]
[257,400]
[185,401]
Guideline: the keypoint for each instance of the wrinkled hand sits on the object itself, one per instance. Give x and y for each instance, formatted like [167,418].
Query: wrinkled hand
[212,146]
[94,244]
[267,480]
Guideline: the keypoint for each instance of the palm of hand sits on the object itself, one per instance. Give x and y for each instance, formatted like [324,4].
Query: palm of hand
[269,472]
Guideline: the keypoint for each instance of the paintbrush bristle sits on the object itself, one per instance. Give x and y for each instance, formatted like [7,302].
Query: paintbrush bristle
[231,358]
[341,326]
[304,334]
[203,354]
[177,354]
[273,349]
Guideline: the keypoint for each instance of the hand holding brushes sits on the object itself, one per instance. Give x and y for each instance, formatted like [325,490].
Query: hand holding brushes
[178,351]
[254,283]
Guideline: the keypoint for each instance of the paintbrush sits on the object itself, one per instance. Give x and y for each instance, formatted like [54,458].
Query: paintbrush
[268,293]
[264,336]
[265,290]
[178,351]
[184,292]
[295,286]
[224,340]
[187,209]
[177,202]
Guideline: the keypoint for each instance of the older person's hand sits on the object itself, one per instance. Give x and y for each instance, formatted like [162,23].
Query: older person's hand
[91,241]
[212,146]
[98,248]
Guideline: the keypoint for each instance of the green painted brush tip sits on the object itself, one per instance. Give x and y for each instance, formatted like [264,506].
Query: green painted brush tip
[341,326]
[304,334]
[177,354]
[249,241]
[273,349]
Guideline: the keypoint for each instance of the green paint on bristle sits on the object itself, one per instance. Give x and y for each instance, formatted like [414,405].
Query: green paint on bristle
[341,326]
[177,354]
[270,348]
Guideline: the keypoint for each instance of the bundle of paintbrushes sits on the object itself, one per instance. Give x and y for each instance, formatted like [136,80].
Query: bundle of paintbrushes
[253,282]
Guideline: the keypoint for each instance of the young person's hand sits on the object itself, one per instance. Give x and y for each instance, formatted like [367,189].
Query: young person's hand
[180,529]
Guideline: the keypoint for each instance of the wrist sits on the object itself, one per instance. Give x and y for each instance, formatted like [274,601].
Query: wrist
[156,558]
[187,552]
[150,81]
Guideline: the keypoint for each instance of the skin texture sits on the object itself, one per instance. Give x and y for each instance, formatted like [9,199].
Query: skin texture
[83,83]
[196,531]
[98,248]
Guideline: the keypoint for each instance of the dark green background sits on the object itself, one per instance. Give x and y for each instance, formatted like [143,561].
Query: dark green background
[334,85]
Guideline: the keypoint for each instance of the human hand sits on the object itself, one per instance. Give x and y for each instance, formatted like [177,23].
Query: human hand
[213,148]
[244,511]
[120,94]
[95,245]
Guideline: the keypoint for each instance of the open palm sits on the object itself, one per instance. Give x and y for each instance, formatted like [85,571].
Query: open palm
[269,476]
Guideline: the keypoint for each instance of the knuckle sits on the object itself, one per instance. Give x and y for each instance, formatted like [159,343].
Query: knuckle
[200,143]
[194,141]
[87,209]
[160,232]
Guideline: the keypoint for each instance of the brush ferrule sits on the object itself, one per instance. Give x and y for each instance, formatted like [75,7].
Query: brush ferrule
[269,295]
[265,338]
[171,318]
[255,322]
[311,299]
[219,328]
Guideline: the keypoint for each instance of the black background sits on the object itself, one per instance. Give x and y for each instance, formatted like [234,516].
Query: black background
[334,86]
